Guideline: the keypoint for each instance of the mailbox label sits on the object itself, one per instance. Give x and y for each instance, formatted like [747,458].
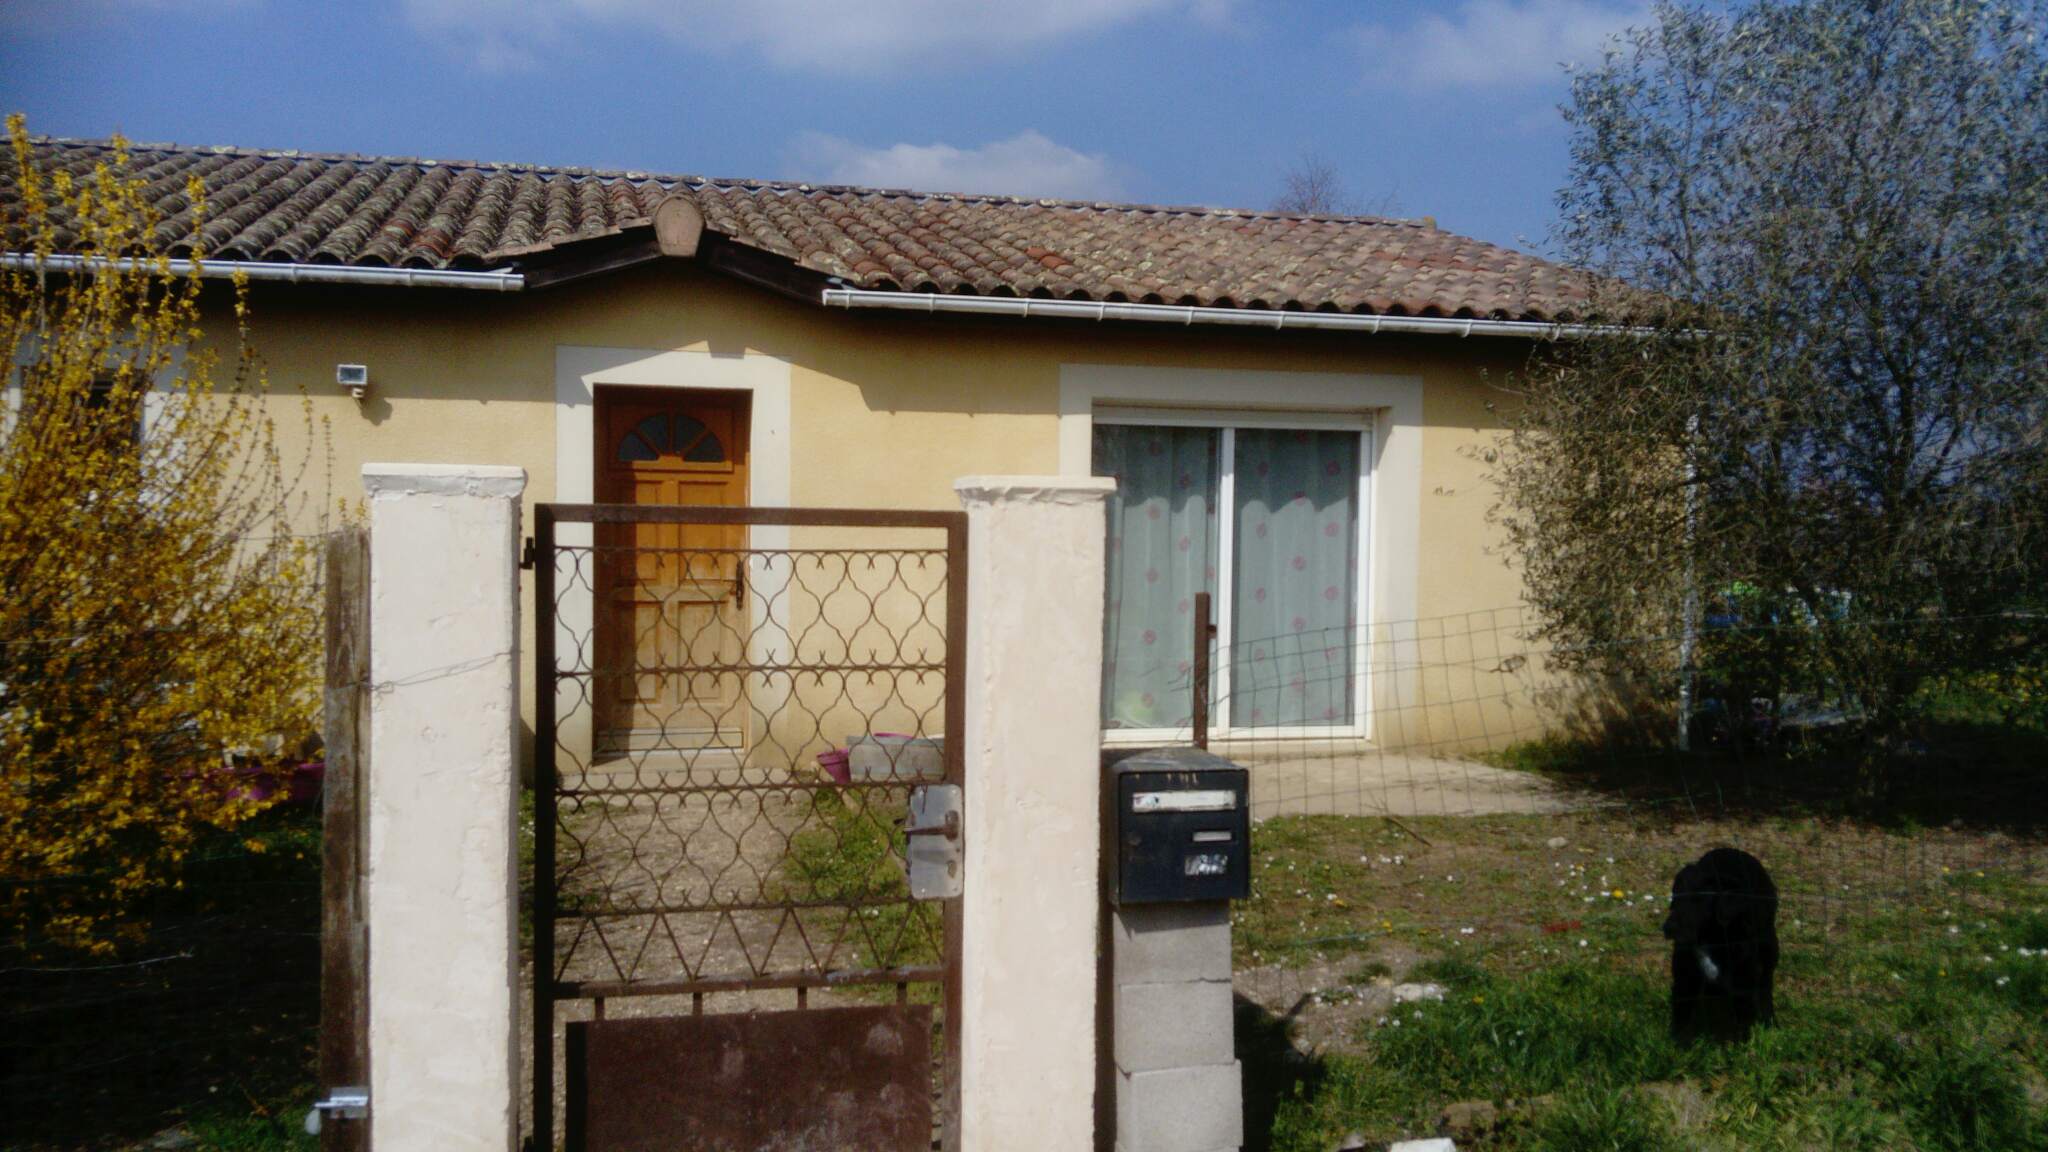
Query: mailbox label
[1206,864]
[1211,800]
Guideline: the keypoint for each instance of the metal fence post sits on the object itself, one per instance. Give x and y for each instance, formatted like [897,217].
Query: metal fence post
[1204,632]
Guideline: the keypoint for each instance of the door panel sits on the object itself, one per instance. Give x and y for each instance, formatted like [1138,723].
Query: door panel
[673,612]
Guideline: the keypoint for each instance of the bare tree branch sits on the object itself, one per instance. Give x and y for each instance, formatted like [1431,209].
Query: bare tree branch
[1314,187]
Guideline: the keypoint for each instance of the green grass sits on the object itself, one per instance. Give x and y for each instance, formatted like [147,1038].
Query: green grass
[1595,1119]
[1908,1016]
[283,1131]
[848,860]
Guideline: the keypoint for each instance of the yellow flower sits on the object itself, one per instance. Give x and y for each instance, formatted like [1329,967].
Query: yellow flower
[155,586]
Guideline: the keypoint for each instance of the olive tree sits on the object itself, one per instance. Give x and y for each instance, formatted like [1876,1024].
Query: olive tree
[1817,237]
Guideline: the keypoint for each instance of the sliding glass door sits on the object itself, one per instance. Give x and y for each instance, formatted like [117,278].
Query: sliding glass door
[1266,515]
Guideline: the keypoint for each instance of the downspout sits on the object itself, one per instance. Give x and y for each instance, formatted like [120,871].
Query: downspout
[274,271]
[1270,318]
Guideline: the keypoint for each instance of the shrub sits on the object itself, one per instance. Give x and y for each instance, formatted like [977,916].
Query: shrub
[156,614]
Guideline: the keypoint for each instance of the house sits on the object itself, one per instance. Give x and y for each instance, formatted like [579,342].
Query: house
[1296,407]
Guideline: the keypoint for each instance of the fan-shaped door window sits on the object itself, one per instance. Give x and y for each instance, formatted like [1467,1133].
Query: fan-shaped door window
[671,434]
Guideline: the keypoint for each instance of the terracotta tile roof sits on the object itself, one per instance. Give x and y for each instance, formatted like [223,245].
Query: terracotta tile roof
[380,211]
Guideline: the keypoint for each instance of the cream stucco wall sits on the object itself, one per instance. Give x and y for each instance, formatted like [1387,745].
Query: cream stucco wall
[886,410]
[440,849]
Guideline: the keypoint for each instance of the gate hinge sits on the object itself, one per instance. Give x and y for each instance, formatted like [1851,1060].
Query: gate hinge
[351,1103]
[526,555]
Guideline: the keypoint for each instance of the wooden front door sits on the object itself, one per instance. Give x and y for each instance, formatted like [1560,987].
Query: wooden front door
[671,597]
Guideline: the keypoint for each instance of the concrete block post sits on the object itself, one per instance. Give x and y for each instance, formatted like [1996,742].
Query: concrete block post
[1032,832]
[442,799]
[1179,1087]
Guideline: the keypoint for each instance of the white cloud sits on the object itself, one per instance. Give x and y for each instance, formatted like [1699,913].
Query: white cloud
[1492,44]
[864,38]
[1027,164]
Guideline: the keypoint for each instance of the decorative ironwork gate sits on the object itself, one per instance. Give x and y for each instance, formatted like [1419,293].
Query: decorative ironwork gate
[742,746]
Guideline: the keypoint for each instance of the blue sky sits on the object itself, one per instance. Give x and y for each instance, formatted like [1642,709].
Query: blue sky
[1445,109]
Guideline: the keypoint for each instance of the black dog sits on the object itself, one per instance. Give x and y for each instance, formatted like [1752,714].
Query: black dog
[1723,930]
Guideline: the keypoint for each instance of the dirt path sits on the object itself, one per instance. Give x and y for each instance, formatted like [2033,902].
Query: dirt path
[1308,782]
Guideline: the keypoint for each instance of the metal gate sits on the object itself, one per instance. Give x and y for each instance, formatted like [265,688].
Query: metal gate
[745,909]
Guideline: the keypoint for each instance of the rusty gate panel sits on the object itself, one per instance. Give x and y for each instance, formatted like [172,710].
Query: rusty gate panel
[723,782]
[723,1082]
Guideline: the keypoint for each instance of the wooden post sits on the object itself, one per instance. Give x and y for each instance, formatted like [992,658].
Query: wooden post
[344,942]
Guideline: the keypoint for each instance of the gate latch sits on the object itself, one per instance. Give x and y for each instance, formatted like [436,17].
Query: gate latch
[352,1103]
[932,842]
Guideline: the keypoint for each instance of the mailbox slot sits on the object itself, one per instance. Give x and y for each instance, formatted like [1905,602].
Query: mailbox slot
[1182,828]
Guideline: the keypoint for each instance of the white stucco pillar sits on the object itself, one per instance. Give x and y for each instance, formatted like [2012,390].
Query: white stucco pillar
[1030,907]
[442,801]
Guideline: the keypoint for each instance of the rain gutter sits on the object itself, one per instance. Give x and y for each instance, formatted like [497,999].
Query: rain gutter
[282,272]
[1271,318]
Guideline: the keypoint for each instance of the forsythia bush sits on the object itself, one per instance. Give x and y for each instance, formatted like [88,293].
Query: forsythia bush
[156,613]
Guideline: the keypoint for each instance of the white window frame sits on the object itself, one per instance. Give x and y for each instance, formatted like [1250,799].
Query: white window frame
[1228,422]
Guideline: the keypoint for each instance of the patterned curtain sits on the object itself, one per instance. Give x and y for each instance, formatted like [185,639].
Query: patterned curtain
[1162,551]
[1296,589]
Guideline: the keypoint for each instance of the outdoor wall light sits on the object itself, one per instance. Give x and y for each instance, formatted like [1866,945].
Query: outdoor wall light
[355,378]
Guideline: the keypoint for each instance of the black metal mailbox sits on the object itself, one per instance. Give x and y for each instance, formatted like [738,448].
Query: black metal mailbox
[1180,828]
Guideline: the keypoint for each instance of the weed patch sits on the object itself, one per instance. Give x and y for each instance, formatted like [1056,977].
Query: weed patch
[845,870]
[1912,997]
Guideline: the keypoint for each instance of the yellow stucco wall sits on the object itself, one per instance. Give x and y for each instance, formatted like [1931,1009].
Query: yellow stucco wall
[887,409]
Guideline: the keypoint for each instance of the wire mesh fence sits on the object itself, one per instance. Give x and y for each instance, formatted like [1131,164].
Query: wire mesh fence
[190,1014]
[205,1015]
[1472,906]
